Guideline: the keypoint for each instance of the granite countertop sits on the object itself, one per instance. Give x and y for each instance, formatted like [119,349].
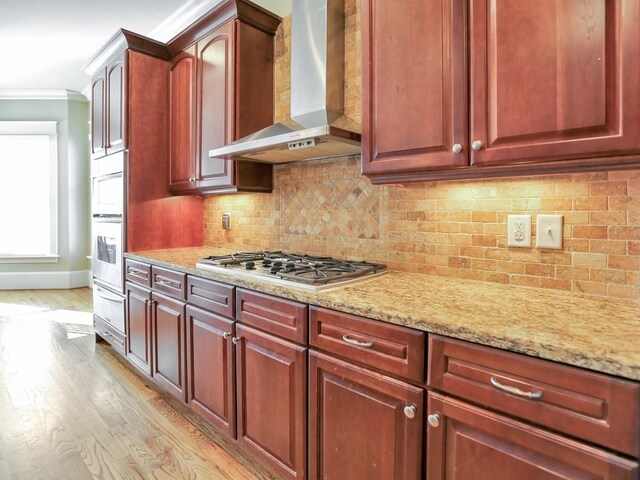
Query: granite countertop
[600,334]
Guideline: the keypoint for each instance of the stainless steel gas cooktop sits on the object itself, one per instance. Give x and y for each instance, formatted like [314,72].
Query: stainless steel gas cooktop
[290,269]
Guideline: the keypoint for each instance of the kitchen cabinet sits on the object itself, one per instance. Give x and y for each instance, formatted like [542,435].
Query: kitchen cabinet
[551,88]
[130,111]
[168,343]
[464,441]
[138,347]
[362,424]
[182,92]
[211,368]
[272,400]
[221,90]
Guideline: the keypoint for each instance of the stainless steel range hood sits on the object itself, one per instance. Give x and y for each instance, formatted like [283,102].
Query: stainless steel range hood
[317,127]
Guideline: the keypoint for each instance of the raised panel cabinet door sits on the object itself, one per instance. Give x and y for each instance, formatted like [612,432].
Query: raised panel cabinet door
[271,380]
[116,95]
[216,105]
[415,95]
[358,427]
[469,442]
[97,116]
[169,343]
[211,368]
[182,105]
[554,79]
[138,348]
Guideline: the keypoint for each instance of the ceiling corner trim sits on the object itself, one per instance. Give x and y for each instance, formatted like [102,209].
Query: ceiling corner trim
[183,17]
[67,95]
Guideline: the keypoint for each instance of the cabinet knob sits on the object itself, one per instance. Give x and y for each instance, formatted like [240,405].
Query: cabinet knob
[477,145]
[457,148]
[434,420]
[235,340]
[410,411]
[226,335]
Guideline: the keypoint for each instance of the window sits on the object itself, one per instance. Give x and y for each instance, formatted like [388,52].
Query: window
[28,191]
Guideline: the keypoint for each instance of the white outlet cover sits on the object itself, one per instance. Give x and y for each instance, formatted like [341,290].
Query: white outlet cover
[549,231]
[519,230]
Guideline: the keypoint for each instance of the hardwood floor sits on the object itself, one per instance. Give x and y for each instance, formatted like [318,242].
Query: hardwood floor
[73,409]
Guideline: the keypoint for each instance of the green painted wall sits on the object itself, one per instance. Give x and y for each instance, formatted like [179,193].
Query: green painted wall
[74,225]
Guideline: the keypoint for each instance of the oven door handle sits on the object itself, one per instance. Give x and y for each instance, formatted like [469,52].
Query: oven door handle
[102,294]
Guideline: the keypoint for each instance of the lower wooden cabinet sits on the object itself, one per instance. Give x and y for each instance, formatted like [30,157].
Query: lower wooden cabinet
[138,345]
[167,344]
[467,442]
[271,383]
[211,368]
[362,425]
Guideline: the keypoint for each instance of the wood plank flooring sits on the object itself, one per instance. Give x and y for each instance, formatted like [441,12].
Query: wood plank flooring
[73,409]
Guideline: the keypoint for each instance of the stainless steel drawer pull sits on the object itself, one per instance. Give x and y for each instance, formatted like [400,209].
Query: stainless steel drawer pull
[351,341]
[136,273]
[168,283]
[515,391]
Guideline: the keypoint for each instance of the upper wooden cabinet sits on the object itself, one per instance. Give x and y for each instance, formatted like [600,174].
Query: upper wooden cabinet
[548,88]
[221,90]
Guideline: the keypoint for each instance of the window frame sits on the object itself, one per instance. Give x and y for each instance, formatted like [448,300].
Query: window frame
[50,129]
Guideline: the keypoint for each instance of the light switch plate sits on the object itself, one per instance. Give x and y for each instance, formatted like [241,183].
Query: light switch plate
[549,231]
[519,230]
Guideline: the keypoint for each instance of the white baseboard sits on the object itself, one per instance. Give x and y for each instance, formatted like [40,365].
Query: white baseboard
[44,280]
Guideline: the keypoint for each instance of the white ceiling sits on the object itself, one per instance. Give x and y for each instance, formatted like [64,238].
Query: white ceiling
[45,43]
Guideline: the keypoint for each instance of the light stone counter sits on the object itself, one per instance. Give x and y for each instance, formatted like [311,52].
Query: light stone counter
[600,334]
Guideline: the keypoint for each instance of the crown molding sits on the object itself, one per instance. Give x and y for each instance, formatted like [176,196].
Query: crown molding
[185,16]
[67,95]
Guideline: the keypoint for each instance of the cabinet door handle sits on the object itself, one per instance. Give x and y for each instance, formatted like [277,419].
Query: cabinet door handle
[236,340]
[351,341]
[410,411]
[457,148]
[434,420]
[477,145]
[226,335]
[515,390]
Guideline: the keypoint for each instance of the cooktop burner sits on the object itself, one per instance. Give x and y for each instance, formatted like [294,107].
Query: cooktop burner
[307,271]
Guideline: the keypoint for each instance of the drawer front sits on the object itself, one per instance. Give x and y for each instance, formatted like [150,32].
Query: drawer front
[591,406]
[212,296]
[137,272]
[114,337]
[392,349]
[109,307]
[281,317]
[169,281]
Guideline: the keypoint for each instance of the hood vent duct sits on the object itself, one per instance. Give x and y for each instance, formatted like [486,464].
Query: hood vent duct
[317,127]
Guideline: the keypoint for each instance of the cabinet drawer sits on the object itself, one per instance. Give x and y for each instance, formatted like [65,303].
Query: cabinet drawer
[281,317]
[137,272]
[390,348]
[168,281]
[114,337]
[212,296]
[587,405]
[109,307]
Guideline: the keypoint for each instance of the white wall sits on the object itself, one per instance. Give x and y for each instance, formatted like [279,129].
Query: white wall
[72,269]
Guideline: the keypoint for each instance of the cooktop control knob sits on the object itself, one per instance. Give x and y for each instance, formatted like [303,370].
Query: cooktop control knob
[277,263]
[275,269]
[250,265]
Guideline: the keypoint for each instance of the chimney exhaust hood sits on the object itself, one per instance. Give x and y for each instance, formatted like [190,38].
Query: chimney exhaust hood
[317,127]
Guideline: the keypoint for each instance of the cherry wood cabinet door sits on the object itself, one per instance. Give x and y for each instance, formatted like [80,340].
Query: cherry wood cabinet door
[357,424]
[138,347]
[115,112]
[554,79]
[215,105]
[471,442]
[211,368]
[168,344]
[271,380]
[98,143]
[182,105]
[415,96]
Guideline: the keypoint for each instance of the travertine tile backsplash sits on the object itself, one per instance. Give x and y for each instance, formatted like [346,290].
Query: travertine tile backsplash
[455,229]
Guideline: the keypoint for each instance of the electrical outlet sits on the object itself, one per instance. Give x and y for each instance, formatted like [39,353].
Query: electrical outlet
[549,231]
[226,221]
[519,230]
